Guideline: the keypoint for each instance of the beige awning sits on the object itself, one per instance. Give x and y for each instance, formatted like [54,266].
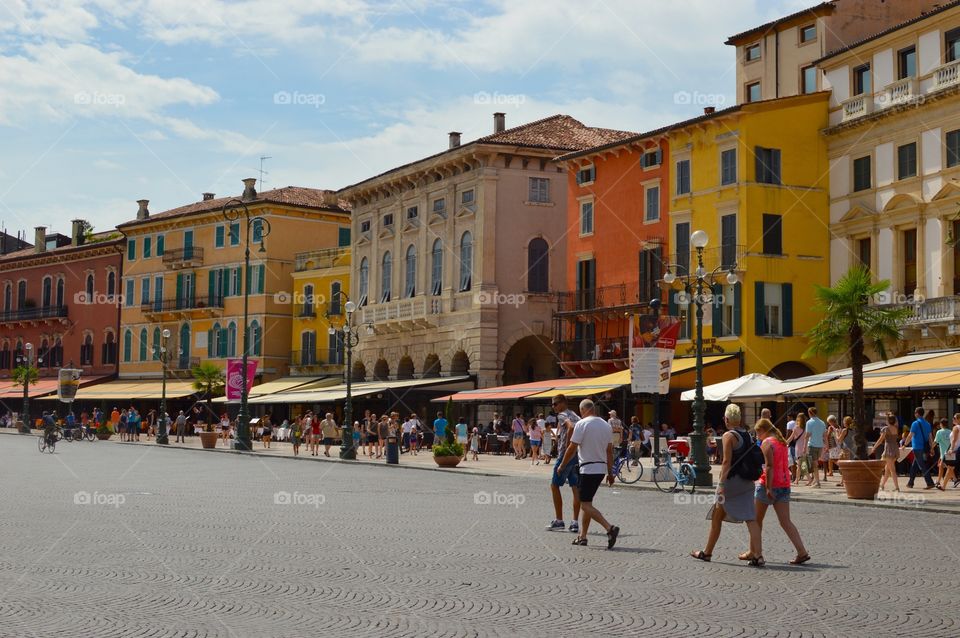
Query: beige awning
[339,392]
[286,384]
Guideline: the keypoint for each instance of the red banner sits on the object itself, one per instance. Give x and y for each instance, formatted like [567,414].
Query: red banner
[235,377]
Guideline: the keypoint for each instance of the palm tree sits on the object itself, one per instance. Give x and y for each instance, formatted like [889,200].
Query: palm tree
[849,323]
[22,373]
[208,379]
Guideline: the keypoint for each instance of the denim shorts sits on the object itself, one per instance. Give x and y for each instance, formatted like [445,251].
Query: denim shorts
[569,474]
[780,495]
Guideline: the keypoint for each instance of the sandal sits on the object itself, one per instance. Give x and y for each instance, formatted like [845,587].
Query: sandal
[579,541]
[699,555]
[745,556]
[757,561]
[800,560]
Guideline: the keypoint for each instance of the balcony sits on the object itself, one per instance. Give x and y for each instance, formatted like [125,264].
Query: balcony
[323,258]
[900,92]
[186,257]
[946,75]
[857,106]
[305,311]
[51,314]
[724,257]
[403,314]
[315,358]
[596,300]
[184,305]
[938,310]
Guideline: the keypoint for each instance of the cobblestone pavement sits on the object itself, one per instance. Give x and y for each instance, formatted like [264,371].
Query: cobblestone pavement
[113,540]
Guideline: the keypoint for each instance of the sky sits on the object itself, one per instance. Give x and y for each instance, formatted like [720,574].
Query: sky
[104,102]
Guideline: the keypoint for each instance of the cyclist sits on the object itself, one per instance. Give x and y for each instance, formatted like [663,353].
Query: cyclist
[71,423]
[49,428]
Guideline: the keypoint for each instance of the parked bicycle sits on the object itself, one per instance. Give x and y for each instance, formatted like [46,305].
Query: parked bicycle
[626,467]
[47,443]
[669,478]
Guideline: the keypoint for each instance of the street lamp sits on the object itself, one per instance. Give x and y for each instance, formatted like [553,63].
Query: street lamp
[693,284]
[163,437]
[232,211]
[26,361]
[655,316]
[351,338]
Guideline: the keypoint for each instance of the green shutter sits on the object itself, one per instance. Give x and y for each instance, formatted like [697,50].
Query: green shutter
[343,237]
[737,309]
[159,245]
[673,309]
[717,311]
[759,326]
[179,288]
[262,275]
[211,286]
[209,343]
[218,240]
[787,321]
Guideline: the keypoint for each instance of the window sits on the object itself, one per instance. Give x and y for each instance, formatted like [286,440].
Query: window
[147,247]
[753,92]
[808,33]
[955,227]
[127,345]
[159,245]
[774,309]
[158,292]
[128,300]
[439,206]
[388,220]
[683,248]
[218,237]
[726,310]
[343,237]
[143,344]
[953,148]
[256,332]
[410,273]
[232,339]
[257,225]
[386,275]
[907,161]
[650,159]
[539,190]
[951,48]
[47,293]
[308,348]
[365,226]
[467,198]
[60,292]
[155,349]
[651,267]
[652,212]
[538,265]
[728,166]
[909,261]
[772,234]
[131,249]
[586,218]
[752,52]
[907,63]
[728,241]
[111,284]
[364,281]
[586,284]
[683,177]
[145,291]
[466,262]
[436,268]
[86,351]
[863,252]
[108,354]
[768,165]
[21,295]
[413,212]
[586,175]
[861,173]
[8,296]
[335,344]
[861,80]
[808,79]
[88,290]
[235,233]
[678,305]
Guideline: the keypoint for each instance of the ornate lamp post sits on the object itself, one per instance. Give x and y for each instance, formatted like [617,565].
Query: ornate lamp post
[655,314]
[26,361]
[163,437]
[693,284]
[351,338]
[233,210]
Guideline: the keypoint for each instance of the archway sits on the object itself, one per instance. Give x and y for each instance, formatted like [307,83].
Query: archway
[381,370]
[790,370]
[431,366]
[405,368]
[460,364]
[359,372]
[530,359]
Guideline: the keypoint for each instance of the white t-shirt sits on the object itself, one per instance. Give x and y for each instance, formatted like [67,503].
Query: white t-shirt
[407,426]
[646,435]
[593,435]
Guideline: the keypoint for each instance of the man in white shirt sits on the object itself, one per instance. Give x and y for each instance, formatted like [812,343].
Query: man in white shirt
[410,425]
[592,442]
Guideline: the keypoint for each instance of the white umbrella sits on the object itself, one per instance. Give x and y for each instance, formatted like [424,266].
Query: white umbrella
[744,386]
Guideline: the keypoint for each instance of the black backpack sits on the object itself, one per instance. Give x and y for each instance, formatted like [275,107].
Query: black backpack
[747,463]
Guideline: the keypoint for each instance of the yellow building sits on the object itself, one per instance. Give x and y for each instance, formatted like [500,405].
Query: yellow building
[319,276]
[183,268]
[754,177]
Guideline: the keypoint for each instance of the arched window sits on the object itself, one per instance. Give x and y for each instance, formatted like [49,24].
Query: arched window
[127,345]
[21,295]
[410,275]
[232,339]
[217,346]
[45,297]
[86,351]
[538,265]
[111,284]
[17,354]
[156,344]
[56,354]
[386,276]
[307,301]
[436,268]
[89,289]
[364,281]
[336,308]
[308,348]
[143,344]
[466,261]
[184,346]
[256,335]
[5,356]
[60,293]
[109,353]
[8,298]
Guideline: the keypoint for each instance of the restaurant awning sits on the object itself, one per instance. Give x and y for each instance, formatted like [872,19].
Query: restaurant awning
[339,392]
[42,388]
[749,383]
[286,384]
[133,390]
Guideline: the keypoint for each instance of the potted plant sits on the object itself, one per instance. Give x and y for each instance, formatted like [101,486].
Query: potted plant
[104,432]
[448,453]
[208,379]
[849,323]
[21,375]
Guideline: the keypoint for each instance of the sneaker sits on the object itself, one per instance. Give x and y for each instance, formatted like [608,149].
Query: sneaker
[555,525]
[575,527]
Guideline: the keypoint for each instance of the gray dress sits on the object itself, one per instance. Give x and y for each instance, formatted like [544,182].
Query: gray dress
[738,493]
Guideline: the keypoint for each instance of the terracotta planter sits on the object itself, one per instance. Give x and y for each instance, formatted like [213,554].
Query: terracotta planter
[208,440]
[447,461]
[861,479]
[104,437]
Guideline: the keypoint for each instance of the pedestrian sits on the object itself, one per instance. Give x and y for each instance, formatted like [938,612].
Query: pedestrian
[371,435]
[646,442]
[920,438]
[847,440]
[475,444]
[942,441]
[151,424]
[617,426]
[774,488]
[833,443]
[181,428]
[800,449]
[383,432]
[115,421]
[546,445]
[124,423]
[517,438]
[955,447]
[462,430]
[735,494]
[439,428]
[564,473]
[414,441]
[296,434]
[363,434]
[405,435]
[330,432]
[536,436]
[315,430]
[225,425]
[816,442]
[791,443]
[267,430]
[592,443]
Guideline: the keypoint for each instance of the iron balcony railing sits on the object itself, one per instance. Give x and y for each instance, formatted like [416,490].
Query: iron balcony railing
[183,303]
[594,349]
[316,357]
[593,298]
[187,254]
[322,258]
[32,314]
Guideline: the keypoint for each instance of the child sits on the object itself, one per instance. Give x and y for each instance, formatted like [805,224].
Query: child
[414,437]
[296,435]
[475,443]
[535,434]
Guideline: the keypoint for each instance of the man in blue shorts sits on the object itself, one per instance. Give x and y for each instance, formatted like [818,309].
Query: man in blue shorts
[569,473]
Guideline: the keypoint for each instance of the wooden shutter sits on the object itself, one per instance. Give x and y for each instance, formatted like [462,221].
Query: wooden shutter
[717,290]
[786,320]
[759,311]
[737,309]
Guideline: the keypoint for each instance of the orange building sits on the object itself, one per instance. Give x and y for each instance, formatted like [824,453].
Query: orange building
[617,203]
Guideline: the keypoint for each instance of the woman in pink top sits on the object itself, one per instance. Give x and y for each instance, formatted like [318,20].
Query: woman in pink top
[774,487]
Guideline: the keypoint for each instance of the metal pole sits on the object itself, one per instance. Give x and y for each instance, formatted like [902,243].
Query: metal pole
[347,449]
[243,418]
[163,437]
[698,442]
[26,396]
[655,307]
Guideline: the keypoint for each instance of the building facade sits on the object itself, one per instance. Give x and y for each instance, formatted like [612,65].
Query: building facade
[183,271]
[456,256]
[321,288]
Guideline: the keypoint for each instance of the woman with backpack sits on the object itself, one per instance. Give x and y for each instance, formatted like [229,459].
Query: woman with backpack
[734,497]
[774,488]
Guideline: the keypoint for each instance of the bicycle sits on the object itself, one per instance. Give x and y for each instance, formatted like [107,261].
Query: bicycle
[670,479]
[627,468]
[47,444]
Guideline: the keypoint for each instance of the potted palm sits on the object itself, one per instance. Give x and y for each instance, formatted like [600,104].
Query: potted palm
[208,379]
[448,453]
[849,323]
[25,375]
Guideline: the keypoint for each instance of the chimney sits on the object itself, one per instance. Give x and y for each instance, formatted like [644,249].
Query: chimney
[709,110]
[142,212]
[40,239]
[249,189]
[454,139]
[330,198]
[208,196]
[78,232]
[499,122]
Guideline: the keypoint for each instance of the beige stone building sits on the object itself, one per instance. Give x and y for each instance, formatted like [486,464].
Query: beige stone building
[778,59]
[457,256]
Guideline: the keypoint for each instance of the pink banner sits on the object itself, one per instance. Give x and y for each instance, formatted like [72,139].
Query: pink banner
[235,377]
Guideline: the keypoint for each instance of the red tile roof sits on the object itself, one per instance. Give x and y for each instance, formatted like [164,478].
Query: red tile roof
[97,240]
[763,28]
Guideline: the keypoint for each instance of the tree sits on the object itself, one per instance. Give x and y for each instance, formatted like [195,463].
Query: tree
[209,380]
[22,373]
[849,323]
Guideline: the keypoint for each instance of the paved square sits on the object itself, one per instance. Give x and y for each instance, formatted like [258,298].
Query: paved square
[112,540]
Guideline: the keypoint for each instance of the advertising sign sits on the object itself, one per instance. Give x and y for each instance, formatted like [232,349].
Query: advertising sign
[235,377]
